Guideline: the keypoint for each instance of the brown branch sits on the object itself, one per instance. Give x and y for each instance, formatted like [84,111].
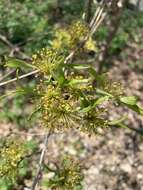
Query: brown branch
[14,48]
[7,74]
[6,41]
[36,179]
[20,77]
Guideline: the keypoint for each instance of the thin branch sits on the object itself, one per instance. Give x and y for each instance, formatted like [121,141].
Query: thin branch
[95,27]
[36,179]
[7,74]
[20,77]
[6,41]
[14,48]
[97,12]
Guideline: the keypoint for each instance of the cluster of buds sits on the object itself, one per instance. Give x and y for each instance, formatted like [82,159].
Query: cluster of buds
[57,107]
[67,176]
[116,89]
[94,119]
[78,31]
[70,38]
[10,156]
[47,60]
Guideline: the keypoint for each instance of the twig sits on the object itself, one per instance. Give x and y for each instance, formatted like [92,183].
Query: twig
[36,179]
[94,19]
[6,41]
[14,48]
[20,77]
[7,74]
[95,27]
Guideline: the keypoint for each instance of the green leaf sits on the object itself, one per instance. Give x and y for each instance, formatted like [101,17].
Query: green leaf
[136,108]
[78,81]
[96,103]
[8,94]
[78,66]
[101,100]
[84,100]
[102,92]
[17,63]
[99,78]
[91,70]
[59,75]
[26,90]
[121,125]
[81,66]
[130,100]
[33,113]
[131,103]
[87,109]
[117,121]
[94,73]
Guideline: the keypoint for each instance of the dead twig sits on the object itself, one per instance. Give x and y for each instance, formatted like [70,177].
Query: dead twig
[14,48]
[7,74]
[20,77]
[36,179]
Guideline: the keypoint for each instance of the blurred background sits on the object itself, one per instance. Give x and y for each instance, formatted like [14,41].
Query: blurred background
[112,160]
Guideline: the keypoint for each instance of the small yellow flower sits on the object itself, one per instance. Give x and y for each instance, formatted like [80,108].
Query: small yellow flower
[10,156]
[94,119]
[57,107]
[78,31]
[69,175]
[114,88]
[47,60]
[90,45]
[62,40]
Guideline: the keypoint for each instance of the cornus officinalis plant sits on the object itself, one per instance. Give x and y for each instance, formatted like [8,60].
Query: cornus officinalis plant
[67,95]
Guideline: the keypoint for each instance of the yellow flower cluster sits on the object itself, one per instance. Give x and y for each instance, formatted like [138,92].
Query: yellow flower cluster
[113,88]
[10,156]
[69,39]
[57,108]
[79,82]
[62,39]
[93,120]
[78,31]
[69,176]
[90,45]
[47,60]
[71,173]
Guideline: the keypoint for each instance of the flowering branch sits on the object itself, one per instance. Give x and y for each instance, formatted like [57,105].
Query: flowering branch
[94,24]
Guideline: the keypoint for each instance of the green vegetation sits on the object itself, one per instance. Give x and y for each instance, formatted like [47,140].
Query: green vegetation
[68,92]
